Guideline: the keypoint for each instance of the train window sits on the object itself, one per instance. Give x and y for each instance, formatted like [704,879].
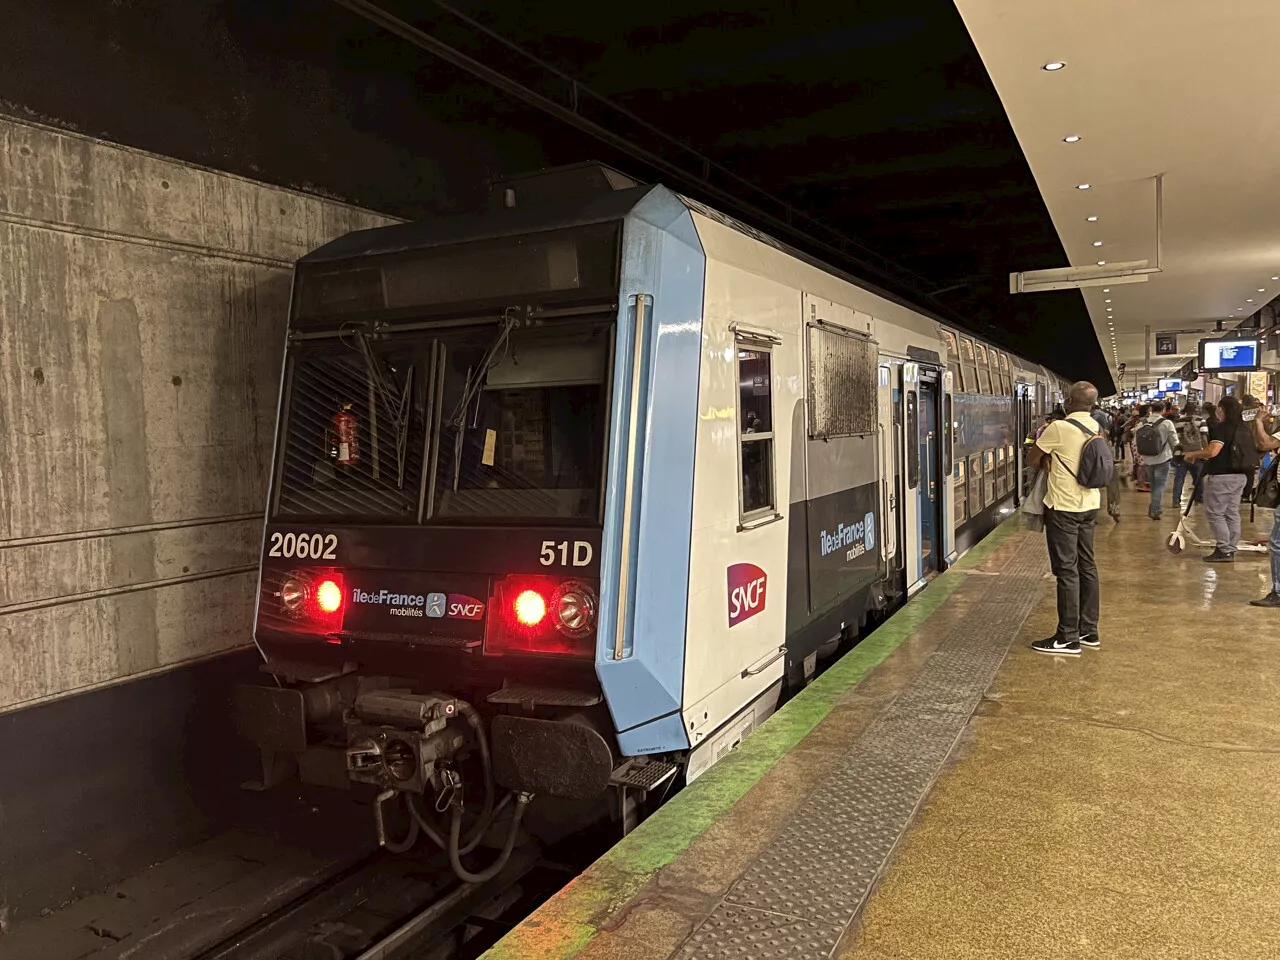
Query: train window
[957,381]
[354,431]
[950,339]
[989,477]
[960,486]
[966,350]
[948,434]
[913,442]
[1002,474]
[842,383]
[522,423]
[755,430]
[984,369]
[975,484]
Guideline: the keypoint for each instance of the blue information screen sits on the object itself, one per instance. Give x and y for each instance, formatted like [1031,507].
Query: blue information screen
[1230,354]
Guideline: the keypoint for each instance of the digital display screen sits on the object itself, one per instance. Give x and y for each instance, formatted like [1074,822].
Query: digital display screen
[1237,355]
[1172,384]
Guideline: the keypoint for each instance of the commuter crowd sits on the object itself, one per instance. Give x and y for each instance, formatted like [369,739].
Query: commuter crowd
[1222,456]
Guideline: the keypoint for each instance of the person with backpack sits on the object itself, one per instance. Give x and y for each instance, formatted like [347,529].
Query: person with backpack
[1156,439]
[1230,459]
[1077,456]
[1192,431]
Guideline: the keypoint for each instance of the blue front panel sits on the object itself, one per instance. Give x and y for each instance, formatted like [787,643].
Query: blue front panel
[662,259]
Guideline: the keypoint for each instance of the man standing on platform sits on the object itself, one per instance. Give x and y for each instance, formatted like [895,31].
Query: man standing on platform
[1157,438]
[1069,518]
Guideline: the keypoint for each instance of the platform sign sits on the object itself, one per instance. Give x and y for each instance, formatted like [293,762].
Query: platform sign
[1166,344]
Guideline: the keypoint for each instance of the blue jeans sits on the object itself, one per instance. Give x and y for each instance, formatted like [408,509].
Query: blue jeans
[1158,474]
[1273,548]
[1182,470]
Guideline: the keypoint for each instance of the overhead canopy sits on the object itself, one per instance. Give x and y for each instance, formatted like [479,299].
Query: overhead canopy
[1180,87]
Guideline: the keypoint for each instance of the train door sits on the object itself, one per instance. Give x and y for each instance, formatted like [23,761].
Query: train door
[946,486]
[1025,420]
[890,469]
[916,519]
[929,447]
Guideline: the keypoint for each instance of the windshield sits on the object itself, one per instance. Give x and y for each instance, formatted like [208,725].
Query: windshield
[518,433]
[356,426]
[522,432]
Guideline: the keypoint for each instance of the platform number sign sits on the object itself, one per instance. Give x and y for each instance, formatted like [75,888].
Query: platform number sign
[1166,344]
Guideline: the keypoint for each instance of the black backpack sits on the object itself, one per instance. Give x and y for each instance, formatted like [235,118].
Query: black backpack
[1097,464]
[1267,493]
[1242,453]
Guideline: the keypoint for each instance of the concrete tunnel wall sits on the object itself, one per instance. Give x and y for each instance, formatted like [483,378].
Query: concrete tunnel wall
[142,312]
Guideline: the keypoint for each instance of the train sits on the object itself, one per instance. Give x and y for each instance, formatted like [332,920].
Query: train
[568,493]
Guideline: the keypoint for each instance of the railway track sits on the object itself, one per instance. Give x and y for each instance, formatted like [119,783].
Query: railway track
[393,907]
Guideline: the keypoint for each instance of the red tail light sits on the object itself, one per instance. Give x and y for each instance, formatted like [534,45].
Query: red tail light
[541,616]
[329,596]
[313,599]
[529,608]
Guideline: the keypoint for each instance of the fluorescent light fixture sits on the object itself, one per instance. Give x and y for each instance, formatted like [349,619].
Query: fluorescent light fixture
[1275,278]
[1097,243]
[1108,300]
[1071,138]
[1075,278]
[1248,300]
[1091,219]
[1053,66]
[1262,289]
[1082,186]
[1106,289]
[1102,263]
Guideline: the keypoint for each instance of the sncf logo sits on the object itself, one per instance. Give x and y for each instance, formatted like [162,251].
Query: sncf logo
[746,592]
[462,607]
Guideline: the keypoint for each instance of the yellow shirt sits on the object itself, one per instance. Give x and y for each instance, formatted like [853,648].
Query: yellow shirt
[1063,442]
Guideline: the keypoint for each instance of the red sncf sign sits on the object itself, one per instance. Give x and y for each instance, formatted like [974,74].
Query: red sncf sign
[746,592]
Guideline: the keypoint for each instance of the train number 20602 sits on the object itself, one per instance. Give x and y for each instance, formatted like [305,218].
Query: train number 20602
[316,546]
[578,553]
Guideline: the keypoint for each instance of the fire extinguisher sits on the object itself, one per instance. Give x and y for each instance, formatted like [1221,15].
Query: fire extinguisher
[343,440]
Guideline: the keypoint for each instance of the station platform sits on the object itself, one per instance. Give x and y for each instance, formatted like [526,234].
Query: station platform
[944,792]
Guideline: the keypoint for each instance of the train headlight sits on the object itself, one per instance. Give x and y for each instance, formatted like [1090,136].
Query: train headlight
[293,593]
[530,608]
[574,604]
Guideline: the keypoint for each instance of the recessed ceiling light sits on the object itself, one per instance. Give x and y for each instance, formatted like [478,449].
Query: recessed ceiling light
[1275,278]
[1053,65]
[1108,300]
[1262,289]
[1071,138]
[1106,289]
[1248,300]
[1102,263]
[1097,243]
[1082,186]
[1091,219]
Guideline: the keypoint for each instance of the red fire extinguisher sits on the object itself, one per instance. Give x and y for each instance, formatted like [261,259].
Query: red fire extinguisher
[344,438]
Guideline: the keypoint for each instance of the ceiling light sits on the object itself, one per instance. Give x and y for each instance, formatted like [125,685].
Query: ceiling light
[1091,219]
[1275,278]
[1097,243]
[1262,289]
[1102,263]
[1082,186]
[1106,289]
[1108,300]
[1072,138]
[1248,300]
[1053,65]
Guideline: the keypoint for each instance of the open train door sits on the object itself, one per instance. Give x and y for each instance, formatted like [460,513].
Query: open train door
[889,422]
[946,481]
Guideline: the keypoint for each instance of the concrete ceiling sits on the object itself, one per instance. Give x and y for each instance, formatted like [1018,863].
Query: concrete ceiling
[1180,87]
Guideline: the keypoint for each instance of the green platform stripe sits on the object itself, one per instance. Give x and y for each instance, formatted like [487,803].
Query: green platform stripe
[560,928]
